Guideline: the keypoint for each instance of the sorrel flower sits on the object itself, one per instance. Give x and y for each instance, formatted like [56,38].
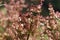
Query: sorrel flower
[24,21]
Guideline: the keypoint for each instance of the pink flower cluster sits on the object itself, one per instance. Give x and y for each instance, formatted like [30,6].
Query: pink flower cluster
[29,24]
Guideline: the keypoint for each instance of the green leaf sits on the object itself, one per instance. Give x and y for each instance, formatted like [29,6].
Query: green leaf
[4,10]
[46,37]
[38,37]
[8,38]
[1,29]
